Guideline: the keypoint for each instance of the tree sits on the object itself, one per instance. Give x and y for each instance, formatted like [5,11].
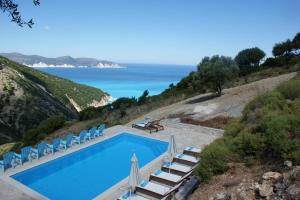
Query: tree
[142,99]
[296,44]
[11,7]
[215,71]
[283,48]
[249,58]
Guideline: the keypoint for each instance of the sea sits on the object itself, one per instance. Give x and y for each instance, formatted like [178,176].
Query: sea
[130,81]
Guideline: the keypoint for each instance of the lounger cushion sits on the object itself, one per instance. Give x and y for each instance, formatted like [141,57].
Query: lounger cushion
[134,197]
[157,172]
[168,176]
[156,188]
[141,125]
[193,149]
[187,158]
[179,167]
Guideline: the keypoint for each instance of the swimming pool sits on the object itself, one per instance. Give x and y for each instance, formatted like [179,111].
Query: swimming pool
[88,172]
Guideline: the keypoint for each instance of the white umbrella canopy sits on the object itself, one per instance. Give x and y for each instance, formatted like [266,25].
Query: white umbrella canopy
[172,149]
[134,177]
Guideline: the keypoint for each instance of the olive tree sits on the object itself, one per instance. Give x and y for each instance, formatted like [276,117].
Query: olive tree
[249,57]
[215,71]
[11,7]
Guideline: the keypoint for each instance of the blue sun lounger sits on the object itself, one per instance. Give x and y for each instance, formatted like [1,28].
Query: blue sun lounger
[7,160]
[81,138]
[40,150]
[92,133]
[101,129]
[55,146]
[25,155]
[68,142]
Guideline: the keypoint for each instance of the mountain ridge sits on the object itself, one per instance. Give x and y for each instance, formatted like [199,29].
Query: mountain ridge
[62,61]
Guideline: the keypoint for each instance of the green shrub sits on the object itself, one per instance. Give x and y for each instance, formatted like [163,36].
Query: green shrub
[290,89]
[295,157]
[269,101]
[248,144]
[233,127]
[46,127]
[213,160]
[249,161]
[277,134]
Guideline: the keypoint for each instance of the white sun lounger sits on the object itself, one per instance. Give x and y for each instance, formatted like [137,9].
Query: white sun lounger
[165,178]
[177,168]
[132,197]
[192,151]
[186,159]
[152,189]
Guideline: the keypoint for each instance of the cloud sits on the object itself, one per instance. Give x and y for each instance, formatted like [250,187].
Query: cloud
[47,27]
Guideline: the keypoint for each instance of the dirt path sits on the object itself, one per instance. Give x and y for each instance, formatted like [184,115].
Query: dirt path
[231,104]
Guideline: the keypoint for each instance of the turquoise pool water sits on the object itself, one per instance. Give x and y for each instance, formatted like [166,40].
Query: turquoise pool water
[88,172]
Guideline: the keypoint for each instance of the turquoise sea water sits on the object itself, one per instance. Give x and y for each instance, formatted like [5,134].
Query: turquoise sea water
[126,82]
[88,172]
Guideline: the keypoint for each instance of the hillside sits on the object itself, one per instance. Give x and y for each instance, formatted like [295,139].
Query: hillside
[28,97]
[263,141]
[65,61]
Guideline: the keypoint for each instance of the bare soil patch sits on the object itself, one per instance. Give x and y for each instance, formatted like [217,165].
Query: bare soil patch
[238,176]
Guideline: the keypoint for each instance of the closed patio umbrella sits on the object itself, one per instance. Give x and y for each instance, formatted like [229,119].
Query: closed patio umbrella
[172,150]
[134,177]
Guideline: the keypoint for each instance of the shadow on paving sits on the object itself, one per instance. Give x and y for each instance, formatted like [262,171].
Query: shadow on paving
[203,98]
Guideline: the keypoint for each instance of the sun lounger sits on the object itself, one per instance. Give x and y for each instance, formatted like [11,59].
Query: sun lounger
[155,124]
[145,126]
[100,129]
[152,189]
[91,134]
[56,146]
[40,150]
[165,178]
[81,138]
[7,160]
[192,151]
[186,159]
[25,155]
[2,165]
[68,142]
[177,168]
[131,196]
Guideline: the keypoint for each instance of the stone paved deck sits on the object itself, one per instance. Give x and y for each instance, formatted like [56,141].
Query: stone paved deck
[185,134]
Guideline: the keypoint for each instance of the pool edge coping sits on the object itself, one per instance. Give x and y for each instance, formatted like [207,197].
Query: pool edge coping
[6,176]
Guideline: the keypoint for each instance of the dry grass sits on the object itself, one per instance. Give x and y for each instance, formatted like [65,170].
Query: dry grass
[218,122]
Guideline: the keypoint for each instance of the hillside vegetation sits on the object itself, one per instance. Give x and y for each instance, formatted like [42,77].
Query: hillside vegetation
[83,95]
[27,97]
[213,75]
[269,130]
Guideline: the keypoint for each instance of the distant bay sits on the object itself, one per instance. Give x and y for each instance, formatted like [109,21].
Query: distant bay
[130,81]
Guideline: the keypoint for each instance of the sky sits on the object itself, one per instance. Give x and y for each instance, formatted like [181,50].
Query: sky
[150,31]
